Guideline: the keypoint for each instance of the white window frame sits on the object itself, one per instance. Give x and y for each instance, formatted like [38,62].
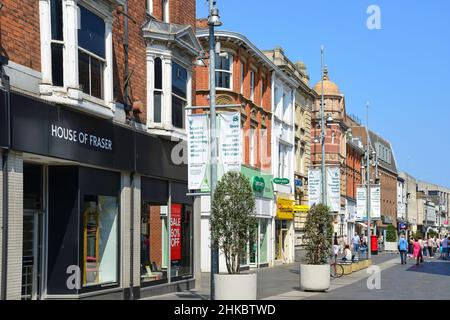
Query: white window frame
[70,93]
[230,56]
[253,146]
[252,85]
[149,8]
[185,100]
[242,76]
[165,9]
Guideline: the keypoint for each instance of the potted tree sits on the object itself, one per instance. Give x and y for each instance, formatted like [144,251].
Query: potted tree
[315,274]
[233,225]
[391,239]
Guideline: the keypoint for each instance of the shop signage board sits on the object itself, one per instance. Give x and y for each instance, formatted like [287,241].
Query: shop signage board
[301,208]
[175,232]
[375,203]
[333,187]
[261,182]
[198,151]
[281,180]
[285,208]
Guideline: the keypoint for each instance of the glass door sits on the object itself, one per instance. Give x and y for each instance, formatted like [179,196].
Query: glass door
[33,203]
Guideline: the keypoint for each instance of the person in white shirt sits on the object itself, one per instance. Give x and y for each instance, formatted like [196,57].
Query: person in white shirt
[356,242]
[347,254]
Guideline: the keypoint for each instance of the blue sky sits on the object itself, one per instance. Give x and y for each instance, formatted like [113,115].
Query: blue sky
[402,70]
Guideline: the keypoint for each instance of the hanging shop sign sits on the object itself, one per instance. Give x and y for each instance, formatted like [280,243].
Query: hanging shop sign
[258,184]
[333,180]
[285,208]
[175,232]
[281,180]
[198,151]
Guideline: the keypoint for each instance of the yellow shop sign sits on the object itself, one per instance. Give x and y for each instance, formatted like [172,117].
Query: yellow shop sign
[301,208]
[285,208]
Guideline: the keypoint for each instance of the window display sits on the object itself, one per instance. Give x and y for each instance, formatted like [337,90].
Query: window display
[181,240]
[154,242]
[100,242]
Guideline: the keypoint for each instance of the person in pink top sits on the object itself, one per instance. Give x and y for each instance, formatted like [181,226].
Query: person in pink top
[417,251]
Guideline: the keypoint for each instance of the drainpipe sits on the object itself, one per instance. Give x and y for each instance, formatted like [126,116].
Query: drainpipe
[5,82]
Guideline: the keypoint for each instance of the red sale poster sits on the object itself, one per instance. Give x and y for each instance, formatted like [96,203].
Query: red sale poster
[175,232]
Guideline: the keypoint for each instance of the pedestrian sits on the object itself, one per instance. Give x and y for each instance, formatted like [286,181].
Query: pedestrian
[402,247]
[347,253]
[424,245]
[430,246]
[335,246]
[356,241]
[417,253]
[445,247]
[411,247]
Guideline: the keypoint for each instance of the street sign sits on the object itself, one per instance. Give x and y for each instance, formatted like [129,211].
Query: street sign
[281,180]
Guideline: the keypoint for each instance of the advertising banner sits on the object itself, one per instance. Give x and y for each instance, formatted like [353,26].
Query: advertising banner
[375,203]
[285,208]
[334,188]
[360,203]
[314,186]
[175,232]
[198,151]
[230,149]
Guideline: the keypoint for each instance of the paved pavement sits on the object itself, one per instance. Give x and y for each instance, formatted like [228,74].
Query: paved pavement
[283,282]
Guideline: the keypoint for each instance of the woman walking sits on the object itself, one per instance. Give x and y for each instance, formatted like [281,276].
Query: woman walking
[417,253]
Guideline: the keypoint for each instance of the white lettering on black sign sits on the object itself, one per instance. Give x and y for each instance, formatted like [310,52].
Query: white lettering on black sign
[81,137]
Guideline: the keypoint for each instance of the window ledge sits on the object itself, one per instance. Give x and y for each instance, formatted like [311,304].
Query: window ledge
[77,99]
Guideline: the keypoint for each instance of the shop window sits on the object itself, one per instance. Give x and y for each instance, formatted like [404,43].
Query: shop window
[100,239]
[91,53]
[32,187]
[154,243]
[181,241]
[263,241]
[179,94]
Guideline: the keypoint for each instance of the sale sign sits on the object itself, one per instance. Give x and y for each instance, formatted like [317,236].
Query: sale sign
[175,232]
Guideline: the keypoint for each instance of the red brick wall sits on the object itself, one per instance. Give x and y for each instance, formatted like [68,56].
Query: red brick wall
[202,86]
[20,32]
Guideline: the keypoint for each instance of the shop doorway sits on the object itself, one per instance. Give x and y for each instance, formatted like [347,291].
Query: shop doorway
[280,239]
[33,217]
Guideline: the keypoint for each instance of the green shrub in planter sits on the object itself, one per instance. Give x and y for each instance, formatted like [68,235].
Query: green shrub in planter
[233,223]
[318,223]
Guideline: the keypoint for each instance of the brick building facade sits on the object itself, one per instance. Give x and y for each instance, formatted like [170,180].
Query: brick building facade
[63,78]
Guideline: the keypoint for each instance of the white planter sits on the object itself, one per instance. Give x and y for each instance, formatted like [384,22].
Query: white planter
[235,286]
[315,277]
[390,246]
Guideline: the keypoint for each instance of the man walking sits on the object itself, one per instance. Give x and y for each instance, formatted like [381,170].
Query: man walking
[355,241]
[402,247]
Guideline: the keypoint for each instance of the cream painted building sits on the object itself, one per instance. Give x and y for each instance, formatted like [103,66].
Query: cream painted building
[304,99]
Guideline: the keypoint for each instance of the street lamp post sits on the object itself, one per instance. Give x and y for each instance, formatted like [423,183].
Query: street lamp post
[369,233]
[322,135]
[213,21]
